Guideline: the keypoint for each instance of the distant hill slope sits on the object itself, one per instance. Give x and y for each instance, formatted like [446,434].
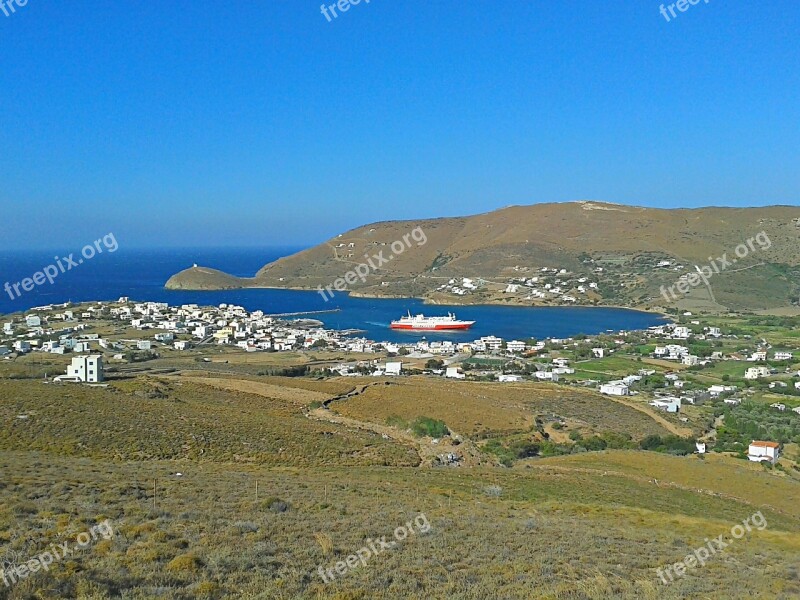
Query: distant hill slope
[618,248]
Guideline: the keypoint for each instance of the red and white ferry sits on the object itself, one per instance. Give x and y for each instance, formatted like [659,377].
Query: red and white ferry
[423,323]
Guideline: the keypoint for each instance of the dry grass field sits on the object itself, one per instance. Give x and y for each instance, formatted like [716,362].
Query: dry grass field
[714,473]
[267,493]
[148,418]
[475,408]
[494,533]
[299,396]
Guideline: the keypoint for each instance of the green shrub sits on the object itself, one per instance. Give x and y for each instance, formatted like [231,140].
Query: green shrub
[426,426]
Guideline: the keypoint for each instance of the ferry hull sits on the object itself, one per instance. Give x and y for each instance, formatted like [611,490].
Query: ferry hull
[430,327]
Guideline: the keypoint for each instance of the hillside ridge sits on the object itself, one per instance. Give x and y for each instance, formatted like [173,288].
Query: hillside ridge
[629,252]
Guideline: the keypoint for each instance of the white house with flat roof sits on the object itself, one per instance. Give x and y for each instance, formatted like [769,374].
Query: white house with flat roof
[516,346]
[452,373]
[394,368]
[509,378]
[756,373]
[87,368]
[615,388]
[670,405]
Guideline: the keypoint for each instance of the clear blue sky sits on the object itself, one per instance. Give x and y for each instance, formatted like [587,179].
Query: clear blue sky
[261,123]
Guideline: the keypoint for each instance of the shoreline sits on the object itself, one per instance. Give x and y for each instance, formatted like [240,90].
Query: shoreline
[303,322]
[426,301]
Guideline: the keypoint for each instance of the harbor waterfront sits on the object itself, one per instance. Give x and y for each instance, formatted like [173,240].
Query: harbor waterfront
[140,275]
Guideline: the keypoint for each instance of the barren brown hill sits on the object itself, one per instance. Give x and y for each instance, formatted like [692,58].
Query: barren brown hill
[204,278]
[619,247]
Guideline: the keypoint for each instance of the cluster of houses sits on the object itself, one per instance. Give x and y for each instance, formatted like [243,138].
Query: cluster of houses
[230,325]
[461,287]
[681,354]
[34,333]
[553,283]
[549,283]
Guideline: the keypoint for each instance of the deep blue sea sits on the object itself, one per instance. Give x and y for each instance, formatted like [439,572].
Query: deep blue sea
[141,274]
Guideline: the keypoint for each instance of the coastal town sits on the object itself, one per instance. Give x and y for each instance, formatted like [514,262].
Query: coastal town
[377,300]
[685,369]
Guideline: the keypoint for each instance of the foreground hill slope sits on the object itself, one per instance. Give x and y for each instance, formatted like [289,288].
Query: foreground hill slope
[220,487]
[629,251]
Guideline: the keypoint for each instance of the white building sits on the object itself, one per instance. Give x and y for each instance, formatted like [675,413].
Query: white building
[670,405]
[784,356]
[394,368]
[671,352]
[756,372]
[33,321]
[690,360]
[681,332]
[202,331]
[8,328]
[515,346]
[546,375]
[452,373]
[87,368]
[764,451]
[716,390]
[488,342]
[615,388]
[509,378]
